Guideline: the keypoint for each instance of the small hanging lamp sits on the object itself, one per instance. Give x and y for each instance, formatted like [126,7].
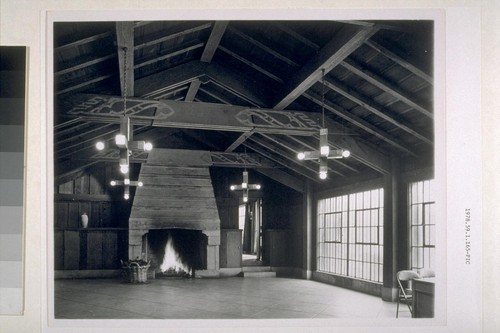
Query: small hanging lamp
[124,141]
[245,186]
[324,153]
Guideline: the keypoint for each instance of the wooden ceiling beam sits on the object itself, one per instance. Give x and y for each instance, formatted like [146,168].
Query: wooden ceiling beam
[239,141]
[186,157]
[385,85]
[296,35]
[283,178]
[262,46]
[160,82]
[251,64]
[274,147]
[401,61]
[172,53]
[357,121]
[206,116]
[216,97]
[300,169]
[85,147]
[237,84]
[213,41]
[86,83]
[172,36]
[293,150]
[189,157]
[83,41]
[369,105]
[210,116]
[193,90]
[125,46]
[89,131]
[85,64]
[346,41]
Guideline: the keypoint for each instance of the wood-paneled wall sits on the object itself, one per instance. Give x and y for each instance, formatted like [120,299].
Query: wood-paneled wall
[105,241]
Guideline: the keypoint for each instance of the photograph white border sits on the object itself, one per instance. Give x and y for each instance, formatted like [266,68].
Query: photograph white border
[460,94]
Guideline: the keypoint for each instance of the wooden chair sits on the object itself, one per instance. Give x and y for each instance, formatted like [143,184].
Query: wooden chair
[405,293]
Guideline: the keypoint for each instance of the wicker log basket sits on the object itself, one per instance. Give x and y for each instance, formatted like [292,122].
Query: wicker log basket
[135,271]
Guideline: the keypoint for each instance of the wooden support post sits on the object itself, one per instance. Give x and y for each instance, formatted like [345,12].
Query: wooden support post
[391,222]
[307,228]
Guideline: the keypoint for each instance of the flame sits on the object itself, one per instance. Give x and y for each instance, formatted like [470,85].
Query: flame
[171,260]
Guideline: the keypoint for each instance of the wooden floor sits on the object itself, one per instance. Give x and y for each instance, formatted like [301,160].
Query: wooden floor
[223,298]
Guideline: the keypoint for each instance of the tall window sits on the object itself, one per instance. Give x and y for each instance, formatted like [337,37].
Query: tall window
[350,235]
[422,223]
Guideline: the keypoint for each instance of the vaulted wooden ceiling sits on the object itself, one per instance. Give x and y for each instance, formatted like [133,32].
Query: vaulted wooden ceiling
[250,92]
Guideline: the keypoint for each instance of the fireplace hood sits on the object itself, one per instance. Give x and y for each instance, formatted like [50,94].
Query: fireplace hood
[174,197]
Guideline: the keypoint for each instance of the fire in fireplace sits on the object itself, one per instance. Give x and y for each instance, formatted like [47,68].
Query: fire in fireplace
[176,252]
[172,263]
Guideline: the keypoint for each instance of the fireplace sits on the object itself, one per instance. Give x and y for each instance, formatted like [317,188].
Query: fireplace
[175,203]
[176,252]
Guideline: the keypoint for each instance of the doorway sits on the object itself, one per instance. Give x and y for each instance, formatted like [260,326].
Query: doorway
[250,224]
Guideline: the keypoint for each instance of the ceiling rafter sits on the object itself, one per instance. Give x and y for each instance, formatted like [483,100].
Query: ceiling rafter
[85,147]
[210,116]
[213,41]
[299,169]
[158,83]
[249,63]
[84,64]
[284,178]
[357,121]
[232,83]
[69,127]
[385,85]
[83,41]
[178,51]
[172,36]
[193,90]
[290,149]
[275,173]
[237,84]
[346,41]
[297,36]
[214,96]
[236,143]
[401,61]
[85,133]
[86,83]
[369,105]
[262,46]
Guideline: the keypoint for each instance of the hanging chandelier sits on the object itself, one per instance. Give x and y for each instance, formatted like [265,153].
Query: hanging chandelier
[324,153]
[245,187]
[124,142]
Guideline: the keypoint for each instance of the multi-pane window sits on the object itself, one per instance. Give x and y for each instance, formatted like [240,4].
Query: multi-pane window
[422,224]
[350,235]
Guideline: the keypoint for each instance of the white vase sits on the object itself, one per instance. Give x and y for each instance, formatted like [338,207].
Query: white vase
[84,220]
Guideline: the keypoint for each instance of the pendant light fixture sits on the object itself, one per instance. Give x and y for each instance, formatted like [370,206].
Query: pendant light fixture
[124,141]
[245,186]
[324,153]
